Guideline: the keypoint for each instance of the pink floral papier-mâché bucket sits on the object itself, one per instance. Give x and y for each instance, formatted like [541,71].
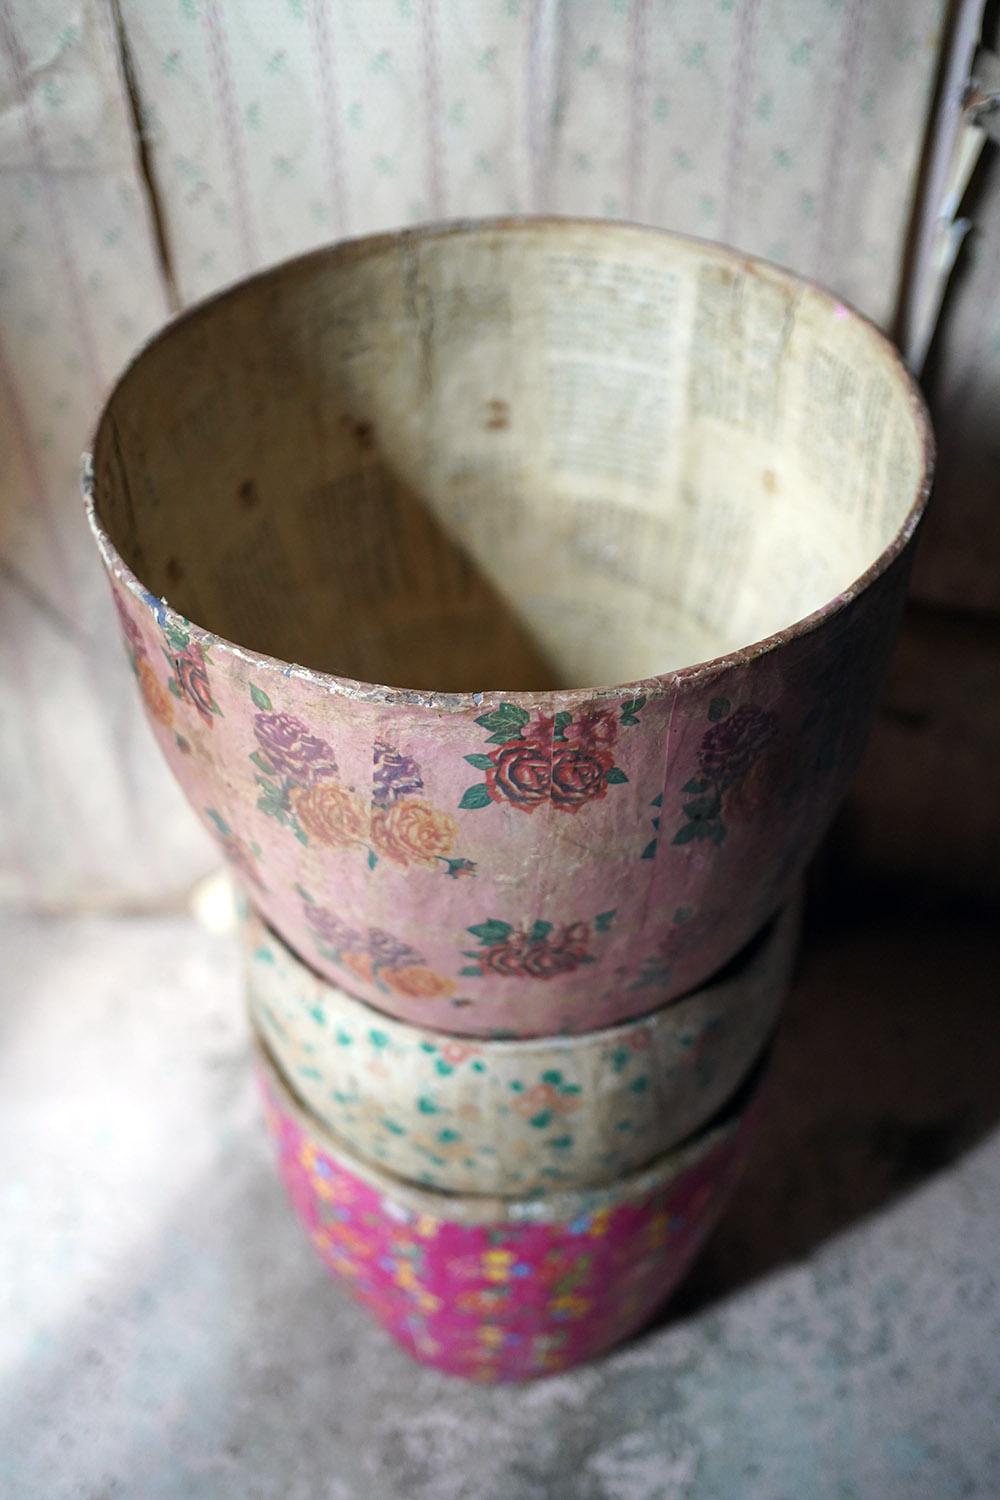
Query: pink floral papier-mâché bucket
[499,1288]
[467,1115]
[516,594]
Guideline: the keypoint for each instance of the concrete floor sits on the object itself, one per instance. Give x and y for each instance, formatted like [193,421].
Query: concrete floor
[168,1332]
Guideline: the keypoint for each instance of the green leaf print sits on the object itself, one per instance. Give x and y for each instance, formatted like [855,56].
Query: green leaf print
[219,821]
[504,723]
[492,931]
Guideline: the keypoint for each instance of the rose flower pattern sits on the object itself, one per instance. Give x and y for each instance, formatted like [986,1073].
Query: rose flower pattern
[330,813]
[154,692]
[558,759]
[538,951]
[298,780]
[187,683]
[301,788]
[412,832]
[373,956]
[290,749]
[729,749]
[406,828]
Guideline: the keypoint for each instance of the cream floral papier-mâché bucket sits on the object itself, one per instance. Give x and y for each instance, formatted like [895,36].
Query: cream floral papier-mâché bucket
[511,601]
[499,1289]
[515,1117]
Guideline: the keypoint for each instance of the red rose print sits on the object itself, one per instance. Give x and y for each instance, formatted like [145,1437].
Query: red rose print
[192,679]
[730,747]
[536,952]
[504,959]
[521,773]
[519,959]
[579,776]
[597,727]
[545,961]
[551,758]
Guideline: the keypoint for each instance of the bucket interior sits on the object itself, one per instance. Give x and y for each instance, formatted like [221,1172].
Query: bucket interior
[516,457]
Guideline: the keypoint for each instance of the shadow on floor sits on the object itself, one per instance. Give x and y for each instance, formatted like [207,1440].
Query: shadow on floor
[886,1069]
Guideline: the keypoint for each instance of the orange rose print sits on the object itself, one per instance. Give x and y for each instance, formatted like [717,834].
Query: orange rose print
[373,956]
[360,965]
[156,697]
[418,982]
[413,832]
[298,777]
[331,814]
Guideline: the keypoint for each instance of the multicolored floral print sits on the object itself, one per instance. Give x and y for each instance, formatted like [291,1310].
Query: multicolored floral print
[157,699]
[189,680]
[242,856]
[729,749]
[373,956]
[560,760]
[297,780]
[300,788]
[538,951]
[504,1300]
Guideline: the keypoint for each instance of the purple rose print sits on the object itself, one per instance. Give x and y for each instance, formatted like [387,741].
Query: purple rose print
[395,775]
[300,788]
[329,928]
[731,746]
[290,748]
[371,955]
[387,952]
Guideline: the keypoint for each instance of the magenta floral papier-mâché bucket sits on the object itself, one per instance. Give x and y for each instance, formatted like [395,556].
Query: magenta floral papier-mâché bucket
[497,1288]
[511,601]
